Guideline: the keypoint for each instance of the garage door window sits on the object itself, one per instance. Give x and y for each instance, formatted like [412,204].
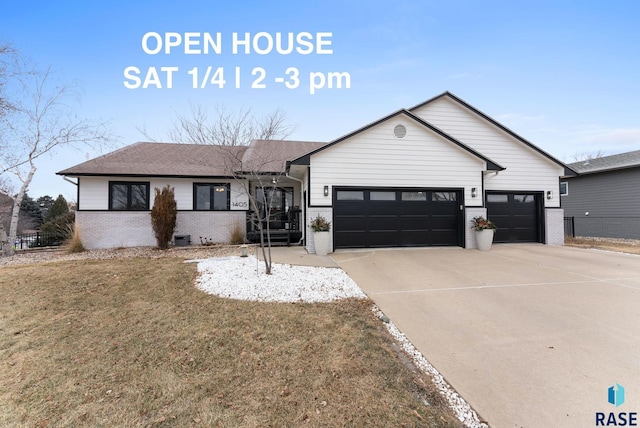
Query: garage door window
[443,196]
[382,196]
[350,195]
[524,199]
[414,196]
[498,199]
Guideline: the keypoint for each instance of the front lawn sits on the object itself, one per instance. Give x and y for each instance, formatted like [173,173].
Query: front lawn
[132,342]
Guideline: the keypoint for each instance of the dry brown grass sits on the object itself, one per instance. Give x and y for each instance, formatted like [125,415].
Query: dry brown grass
[623,246]
[74,243]
[237,234]
[132,342]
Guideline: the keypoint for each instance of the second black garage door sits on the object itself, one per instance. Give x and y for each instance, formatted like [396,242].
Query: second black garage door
[378,217]
[516,215]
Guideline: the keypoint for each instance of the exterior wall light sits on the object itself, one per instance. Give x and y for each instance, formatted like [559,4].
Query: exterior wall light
[326,190]
[474,192]
[549,194]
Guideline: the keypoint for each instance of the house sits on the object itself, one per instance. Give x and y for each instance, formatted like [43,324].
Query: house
[604,199]
[416,177]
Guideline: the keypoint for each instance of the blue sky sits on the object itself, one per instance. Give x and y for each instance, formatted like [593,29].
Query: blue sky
[562,74]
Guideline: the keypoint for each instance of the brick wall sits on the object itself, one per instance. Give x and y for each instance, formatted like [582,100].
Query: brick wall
[469,233]
[110,229]
[554,226]
[326,212]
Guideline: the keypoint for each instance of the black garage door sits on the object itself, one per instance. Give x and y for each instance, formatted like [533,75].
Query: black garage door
[396,217]
[516,215]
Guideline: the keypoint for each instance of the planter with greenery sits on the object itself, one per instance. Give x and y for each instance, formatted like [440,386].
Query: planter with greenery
[485,229]
[321,237]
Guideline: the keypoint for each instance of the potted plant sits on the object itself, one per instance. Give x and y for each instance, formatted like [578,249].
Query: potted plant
[321,227]
[485,229]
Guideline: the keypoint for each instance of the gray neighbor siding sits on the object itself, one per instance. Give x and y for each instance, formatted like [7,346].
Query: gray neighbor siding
[612,200]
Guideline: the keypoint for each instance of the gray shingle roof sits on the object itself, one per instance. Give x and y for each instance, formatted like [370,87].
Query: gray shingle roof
[607,163]
[193,160]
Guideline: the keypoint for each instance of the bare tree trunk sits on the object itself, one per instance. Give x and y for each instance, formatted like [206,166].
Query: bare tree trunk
[15,214]
[266,257]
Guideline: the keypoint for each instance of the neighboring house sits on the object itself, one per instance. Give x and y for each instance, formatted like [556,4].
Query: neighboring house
[416,177]
[604,199]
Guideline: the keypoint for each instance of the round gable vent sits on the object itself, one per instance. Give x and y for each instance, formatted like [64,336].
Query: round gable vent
[400,131]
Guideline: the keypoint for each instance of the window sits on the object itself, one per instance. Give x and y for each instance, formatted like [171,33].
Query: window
[350,195]
[564,188]
[524,199]
[382,196]
[128,196]
[211,197]
[414,196]
[443,196]
[497,199]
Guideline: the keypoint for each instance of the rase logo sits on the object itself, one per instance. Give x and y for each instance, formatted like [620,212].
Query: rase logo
[616,397]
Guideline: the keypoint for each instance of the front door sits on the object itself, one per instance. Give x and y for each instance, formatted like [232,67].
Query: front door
[274,204]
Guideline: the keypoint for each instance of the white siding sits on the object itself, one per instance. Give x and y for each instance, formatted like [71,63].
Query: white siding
[94,191]
[526,169]
[375,157]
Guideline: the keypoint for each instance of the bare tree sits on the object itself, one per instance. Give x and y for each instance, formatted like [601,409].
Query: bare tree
[9,61]
[225,127]
[262,175]
[39,121]
[587,156]
[230,129]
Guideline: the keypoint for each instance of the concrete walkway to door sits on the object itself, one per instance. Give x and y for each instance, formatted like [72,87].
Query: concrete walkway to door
[530,335]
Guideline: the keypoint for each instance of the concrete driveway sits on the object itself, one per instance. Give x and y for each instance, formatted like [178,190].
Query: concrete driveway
[530,335]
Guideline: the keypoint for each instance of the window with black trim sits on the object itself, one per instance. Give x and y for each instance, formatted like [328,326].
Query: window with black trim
[128,196]
[211,197]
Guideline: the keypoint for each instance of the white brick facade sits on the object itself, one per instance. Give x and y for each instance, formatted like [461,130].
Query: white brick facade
[469,233]
[554,226]
[312,212]
[112,229]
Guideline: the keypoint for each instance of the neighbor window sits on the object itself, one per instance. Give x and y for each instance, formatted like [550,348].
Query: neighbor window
[128,196]
[211,197]
[564,188]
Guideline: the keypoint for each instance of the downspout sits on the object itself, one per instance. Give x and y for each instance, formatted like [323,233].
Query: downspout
[303,204]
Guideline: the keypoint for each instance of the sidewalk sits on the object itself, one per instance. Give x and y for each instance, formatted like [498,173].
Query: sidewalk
[296,256]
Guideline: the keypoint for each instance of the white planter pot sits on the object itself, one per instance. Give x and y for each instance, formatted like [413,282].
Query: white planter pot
[484,238]
[321,243]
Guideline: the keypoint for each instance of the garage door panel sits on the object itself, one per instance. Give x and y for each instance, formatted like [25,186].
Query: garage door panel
[351,239]
[391,218]
[351,223]
[515,215]
[415,222]
[443,237]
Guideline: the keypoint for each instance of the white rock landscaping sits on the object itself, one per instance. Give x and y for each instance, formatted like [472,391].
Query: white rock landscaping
[244,278]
